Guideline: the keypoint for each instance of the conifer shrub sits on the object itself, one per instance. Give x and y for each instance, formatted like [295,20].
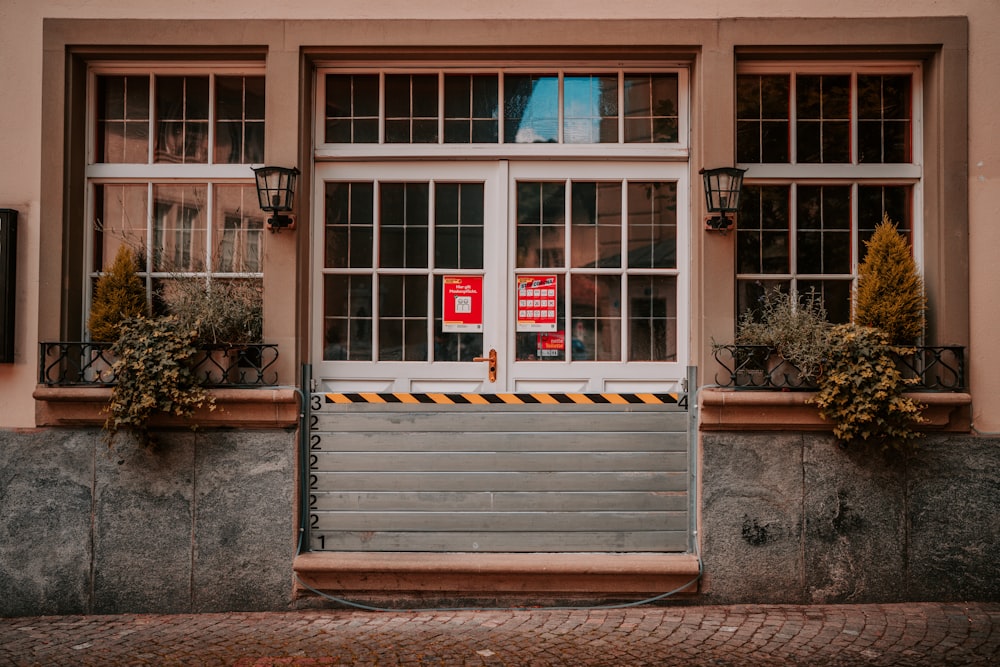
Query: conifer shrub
[890,294]
[119,295]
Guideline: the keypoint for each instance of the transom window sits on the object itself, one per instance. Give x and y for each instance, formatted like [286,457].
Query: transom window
[168,174]
[503,107]
[830,148]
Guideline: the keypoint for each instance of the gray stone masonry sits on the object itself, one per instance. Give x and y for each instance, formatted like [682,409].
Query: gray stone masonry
[204,523]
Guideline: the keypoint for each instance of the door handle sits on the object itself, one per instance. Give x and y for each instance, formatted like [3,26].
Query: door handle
[492,359]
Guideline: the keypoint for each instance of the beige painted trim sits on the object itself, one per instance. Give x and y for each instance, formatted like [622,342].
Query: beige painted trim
[291,48]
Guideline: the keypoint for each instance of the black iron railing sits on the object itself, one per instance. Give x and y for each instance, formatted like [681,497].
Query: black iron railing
[939,368]
[73,364]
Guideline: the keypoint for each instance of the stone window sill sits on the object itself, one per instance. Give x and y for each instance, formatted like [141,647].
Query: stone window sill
[736,410]
[269,407]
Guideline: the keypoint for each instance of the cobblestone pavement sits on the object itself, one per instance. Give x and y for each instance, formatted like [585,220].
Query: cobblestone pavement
[896,634]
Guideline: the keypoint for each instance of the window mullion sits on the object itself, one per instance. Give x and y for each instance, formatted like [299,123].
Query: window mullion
[430,270]
[560,113]
[151,144]
[381,107]
[625,329]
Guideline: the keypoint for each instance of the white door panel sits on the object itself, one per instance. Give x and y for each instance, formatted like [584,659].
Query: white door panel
[377,278]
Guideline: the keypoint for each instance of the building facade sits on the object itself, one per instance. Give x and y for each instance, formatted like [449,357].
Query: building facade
[488,367]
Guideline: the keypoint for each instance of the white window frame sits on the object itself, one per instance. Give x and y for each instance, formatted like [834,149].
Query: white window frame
[677,151]
[152,174]
[853,174]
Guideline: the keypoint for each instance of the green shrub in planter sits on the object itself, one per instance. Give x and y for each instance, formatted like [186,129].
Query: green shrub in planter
[796,327]
[119,295]
[154,375]
[223,312]
[861,390]
[890,293]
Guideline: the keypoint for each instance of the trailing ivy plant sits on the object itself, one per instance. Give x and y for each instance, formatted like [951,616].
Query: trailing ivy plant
[862,392]
[154,375]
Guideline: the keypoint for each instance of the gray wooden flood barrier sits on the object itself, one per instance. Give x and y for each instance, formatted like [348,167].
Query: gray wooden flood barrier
[498,477]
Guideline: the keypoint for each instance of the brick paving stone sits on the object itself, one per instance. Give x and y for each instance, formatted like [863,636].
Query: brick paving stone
[907,635]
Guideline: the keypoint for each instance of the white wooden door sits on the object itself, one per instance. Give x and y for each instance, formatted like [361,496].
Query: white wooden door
[574,277]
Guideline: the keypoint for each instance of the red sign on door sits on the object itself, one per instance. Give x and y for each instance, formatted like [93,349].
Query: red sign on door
[462,303]
[536,303]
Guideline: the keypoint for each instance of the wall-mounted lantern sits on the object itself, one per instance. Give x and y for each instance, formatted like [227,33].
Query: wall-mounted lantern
[275,192]
[8,291]
[722,195]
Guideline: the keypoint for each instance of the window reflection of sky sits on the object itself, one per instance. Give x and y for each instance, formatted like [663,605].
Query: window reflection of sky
[539,121]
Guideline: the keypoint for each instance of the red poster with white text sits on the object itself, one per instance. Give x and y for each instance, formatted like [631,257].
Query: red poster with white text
[462,304]
[537,297]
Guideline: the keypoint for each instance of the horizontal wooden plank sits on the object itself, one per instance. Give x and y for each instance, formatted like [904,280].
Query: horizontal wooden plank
[498,521]
[498,481]
[478,421]
[552,542]
[513,441]
[499,461]
[484,501]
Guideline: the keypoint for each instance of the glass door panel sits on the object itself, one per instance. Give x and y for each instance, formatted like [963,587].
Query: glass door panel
[403,251]
[605,240]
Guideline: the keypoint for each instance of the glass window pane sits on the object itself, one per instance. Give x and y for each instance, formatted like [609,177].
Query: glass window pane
[597,325]
[541,220]
[238,230]
[762,113]
[180,228]
[458,226]
[762,232]
[873,201]
[182,119]
[824,223]
[349,224]
[352,102]
[597,224]
[587,102]
[122,119]
[347,317]
[531,108]
[652,319]
[651,108]
[652,225]
[403,224]
[835,295]
[239,131]
[402,318]
[750,294]
[546,345]
[884,115]
[463,346]
[411,108]
[471,108]
[823,105]
[120,219]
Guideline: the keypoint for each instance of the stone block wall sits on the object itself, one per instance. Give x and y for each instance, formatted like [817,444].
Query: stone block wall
[793,518]
[207,522]
[203,524]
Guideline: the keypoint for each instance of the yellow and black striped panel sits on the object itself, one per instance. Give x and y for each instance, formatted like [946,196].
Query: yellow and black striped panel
[505,399]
